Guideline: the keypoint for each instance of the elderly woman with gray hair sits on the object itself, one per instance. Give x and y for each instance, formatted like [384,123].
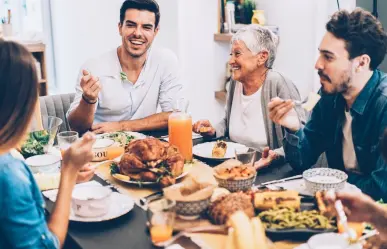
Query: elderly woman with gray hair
[254,83]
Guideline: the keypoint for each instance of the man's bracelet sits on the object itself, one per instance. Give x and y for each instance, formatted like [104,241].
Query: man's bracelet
[88,101]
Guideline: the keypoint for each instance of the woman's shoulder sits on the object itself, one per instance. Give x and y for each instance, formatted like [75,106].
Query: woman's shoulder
[12,169]
[276,77]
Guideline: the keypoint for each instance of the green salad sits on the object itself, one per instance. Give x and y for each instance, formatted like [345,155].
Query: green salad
[35,143]
[120,137]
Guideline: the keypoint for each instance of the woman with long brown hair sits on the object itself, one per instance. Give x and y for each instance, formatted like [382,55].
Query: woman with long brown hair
[22,220]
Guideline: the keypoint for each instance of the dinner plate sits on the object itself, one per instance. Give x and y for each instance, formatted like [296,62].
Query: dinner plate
[186,170]
[120,205]
[204,150]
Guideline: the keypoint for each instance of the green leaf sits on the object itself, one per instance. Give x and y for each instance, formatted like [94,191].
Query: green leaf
[114,169]
[123,76]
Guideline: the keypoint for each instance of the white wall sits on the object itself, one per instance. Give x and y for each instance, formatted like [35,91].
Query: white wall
[203,60]
[81,30]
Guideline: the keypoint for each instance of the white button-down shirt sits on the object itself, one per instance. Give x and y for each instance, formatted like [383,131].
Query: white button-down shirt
[158,84]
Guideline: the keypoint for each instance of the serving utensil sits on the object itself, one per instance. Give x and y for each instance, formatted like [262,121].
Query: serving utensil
[145,200]
[95,166]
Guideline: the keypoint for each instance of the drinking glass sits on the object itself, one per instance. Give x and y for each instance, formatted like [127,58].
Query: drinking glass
[180,129]
[161,218]
[65,139]
[245,155]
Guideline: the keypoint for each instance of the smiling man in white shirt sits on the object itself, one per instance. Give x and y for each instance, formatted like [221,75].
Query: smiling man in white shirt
[121,89]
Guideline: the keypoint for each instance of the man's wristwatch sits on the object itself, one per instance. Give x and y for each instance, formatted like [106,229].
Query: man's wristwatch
[88,101]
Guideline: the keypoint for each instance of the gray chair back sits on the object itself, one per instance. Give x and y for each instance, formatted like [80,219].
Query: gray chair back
[57,106]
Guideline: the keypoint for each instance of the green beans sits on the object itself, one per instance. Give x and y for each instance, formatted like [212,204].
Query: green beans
[288,218]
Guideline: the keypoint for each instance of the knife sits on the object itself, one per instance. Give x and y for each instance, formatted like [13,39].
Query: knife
[263,185]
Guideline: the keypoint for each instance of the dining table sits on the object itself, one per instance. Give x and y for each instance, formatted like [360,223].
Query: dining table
[130,230]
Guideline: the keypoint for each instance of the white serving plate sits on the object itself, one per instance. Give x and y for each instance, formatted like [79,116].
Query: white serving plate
[186,170]
[204,150]
[120,205]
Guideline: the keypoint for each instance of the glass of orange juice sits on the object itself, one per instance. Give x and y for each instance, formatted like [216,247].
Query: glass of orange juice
[161,218]
[180,129]
[65,139]
[114,152]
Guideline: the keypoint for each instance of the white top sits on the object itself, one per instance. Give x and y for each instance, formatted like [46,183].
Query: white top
[246,121]
[349,155]
[118,100]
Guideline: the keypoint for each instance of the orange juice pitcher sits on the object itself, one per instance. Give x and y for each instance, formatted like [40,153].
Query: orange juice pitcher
[180,129]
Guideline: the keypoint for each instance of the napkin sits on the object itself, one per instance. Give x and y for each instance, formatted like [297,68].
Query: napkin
[52,194]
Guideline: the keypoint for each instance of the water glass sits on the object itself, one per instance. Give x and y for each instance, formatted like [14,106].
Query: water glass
[161,218]
[65,139]
[245,155]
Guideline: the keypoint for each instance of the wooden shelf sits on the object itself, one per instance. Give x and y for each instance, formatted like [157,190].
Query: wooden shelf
[38,47]
[221,95]
[222,37]
[38,50]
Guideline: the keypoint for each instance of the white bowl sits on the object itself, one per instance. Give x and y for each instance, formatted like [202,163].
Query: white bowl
[320,179]
[44,163]
[91,201]
[100,149]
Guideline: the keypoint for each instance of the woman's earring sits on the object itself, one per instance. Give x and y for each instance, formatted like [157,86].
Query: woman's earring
[357,70]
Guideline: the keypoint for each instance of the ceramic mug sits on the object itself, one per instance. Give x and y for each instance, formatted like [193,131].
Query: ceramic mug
[91,201]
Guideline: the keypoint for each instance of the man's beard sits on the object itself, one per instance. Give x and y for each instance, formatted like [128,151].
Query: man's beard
[341,87]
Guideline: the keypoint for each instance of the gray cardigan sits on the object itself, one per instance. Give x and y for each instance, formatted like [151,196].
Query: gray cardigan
[275,85]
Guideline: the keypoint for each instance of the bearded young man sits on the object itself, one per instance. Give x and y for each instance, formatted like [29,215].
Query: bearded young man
[351,116]
[121,90]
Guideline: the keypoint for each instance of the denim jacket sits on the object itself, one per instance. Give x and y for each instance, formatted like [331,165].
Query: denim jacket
[22,219]
[324,133]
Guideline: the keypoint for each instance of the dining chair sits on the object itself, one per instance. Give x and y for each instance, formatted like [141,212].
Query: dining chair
[57,106]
